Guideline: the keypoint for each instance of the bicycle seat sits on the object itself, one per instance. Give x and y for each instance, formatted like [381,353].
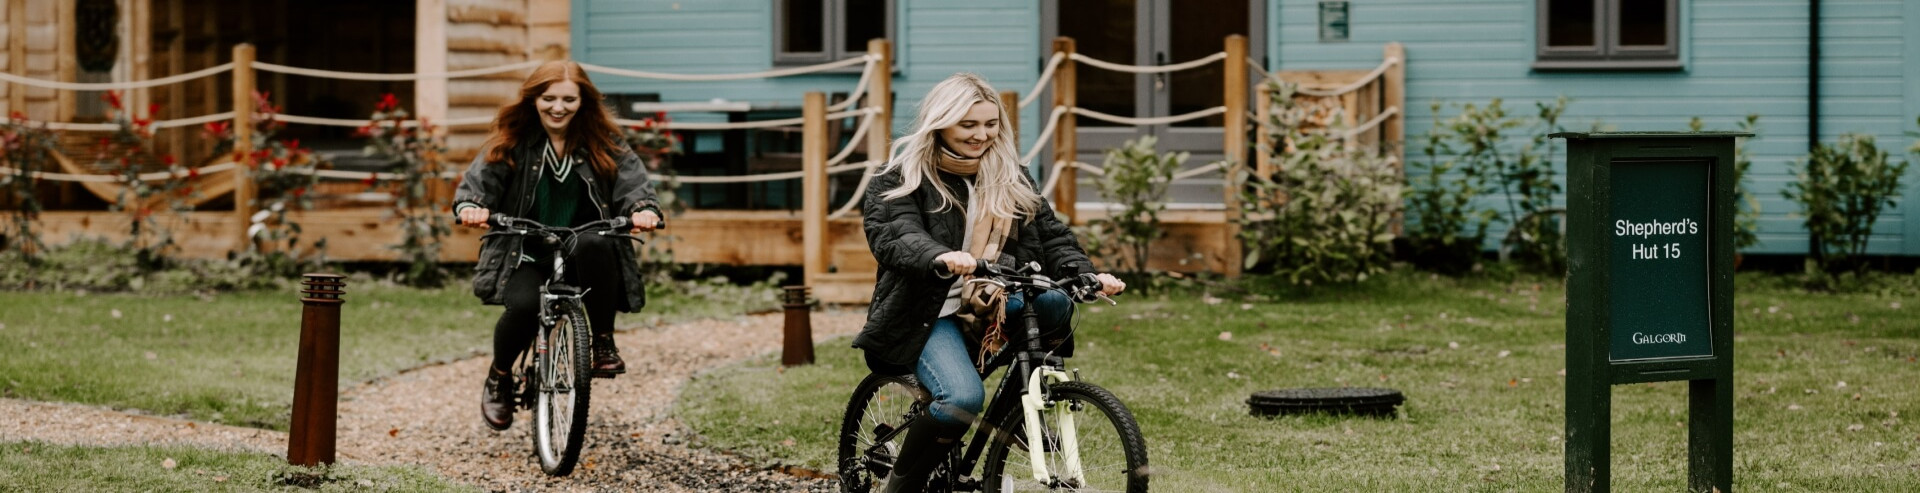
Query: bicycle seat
[563,289]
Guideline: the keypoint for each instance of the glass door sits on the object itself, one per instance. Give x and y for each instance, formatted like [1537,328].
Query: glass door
[1154,32]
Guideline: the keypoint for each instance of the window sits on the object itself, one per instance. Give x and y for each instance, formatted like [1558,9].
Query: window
[815,31]
[1608,34]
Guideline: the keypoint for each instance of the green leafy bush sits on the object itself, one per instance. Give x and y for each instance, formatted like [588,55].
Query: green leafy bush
[24,149]
[417,154]
[1136,177]
[282,173]
[1842,188]
[1479,144]
[1327,213]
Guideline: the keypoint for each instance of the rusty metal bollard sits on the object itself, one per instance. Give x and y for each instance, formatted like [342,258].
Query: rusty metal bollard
[798,343]
[316,385]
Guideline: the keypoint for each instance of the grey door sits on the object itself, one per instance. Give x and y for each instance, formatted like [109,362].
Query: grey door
[1154,32]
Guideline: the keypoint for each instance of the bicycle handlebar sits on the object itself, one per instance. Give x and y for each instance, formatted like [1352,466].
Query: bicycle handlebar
[1083,288]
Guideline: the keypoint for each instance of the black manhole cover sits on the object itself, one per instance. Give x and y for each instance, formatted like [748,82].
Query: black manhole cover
[1363,401]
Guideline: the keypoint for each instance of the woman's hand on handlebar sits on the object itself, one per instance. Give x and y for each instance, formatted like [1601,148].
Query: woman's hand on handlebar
[957,262]
[474,217]
[1110,285]
[645,221]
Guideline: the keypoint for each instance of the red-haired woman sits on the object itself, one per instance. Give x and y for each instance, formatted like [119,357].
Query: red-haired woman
[554,155]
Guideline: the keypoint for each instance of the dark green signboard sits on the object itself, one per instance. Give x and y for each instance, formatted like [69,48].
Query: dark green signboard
[1658,284]
[1649,291]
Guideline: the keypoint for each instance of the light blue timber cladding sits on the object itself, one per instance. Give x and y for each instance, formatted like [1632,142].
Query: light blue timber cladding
[998,39]
[1740,57]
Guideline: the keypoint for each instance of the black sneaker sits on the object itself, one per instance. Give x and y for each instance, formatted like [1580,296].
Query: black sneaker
[606,358]
[496,401]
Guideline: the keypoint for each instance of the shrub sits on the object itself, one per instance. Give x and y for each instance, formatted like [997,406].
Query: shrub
[1135,176]
[1841,190]
[1477,143]
[24,149]
[1327,213]
[129,153]
[656,146]
[282,173]
[417,154]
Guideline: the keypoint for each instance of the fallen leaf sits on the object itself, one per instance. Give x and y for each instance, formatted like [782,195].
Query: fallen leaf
[219,479]
[1246,306]
[787,443]
[1383,377]
[1773,309]
[1453,345]
[1209,299]
[1233,375]
[1562,372]
[1513,382]
[1794,407]
[393,432]
[1504,354]
[1226,336]
[1895,305]
[1856,427]
[169,464]
[152,356]
[115,313]
[1856,396]
[166,318]
[1841,385]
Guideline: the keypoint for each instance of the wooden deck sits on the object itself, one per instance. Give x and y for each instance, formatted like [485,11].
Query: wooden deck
[1194,241]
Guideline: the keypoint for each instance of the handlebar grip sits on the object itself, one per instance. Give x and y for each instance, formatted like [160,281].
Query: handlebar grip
[499,220]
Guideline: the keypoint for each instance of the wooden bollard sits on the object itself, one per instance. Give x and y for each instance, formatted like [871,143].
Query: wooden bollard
[316,385]
[797,348]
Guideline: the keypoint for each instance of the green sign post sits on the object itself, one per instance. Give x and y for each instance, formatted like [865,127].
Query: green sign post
[1650,290]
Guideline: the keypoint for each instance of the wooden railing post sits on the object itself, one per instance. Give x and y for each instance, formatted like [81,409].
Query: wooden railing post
[1235,137]
[1264,145]
[243,190]
[1065,141]
[17,56]
[813,183]
[1395,128]
[430,103]
[1010,101]
[880,95]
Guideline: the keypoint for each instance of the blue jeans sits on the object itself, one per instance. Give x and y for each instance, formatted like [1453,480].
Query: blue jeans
[946,367]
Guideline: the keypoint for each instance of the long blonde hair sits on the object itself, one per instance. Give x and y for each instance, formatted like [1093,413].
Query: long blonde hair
[1000,185]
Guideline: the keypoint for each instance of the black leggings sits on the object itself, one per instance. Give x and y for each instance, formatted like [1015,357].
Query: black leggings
[593,264]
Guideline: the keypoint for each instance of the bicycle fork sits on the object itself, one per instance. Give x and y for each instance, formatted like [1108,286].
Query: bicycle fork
[1032,402]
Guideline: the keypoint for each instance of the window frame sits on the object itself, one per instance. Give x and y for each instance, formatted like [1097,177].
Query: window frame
[833,39]
[1606,53]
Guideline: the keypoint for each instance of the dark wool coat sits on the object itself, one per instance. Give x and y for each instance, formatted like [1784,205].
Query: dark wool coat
[508,190]
[905,235]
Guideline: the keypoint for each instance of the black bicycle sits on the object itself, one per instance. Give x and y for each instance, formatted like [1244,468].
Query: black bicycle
[554,378]
[1087,439]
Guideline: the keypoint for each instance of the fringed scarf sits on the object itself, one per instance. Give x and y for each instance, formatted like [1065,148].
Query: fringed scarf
[982,305]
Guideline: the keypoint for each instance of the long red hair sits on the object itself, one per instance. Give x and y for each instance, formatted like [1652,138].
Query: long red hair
[592,127]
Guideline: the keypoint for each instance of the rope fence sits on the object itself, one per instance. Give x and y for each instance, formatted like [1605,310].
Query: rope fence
[116,86]
[334,74]
[1161,120]
[1369,78]
[767,74]
[1150,69]
[1046,76]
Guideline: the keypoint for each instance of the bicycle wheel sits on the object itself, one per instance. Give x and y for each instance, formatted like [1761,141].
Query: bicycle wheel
[873,427]
[564,362]
[1113,455]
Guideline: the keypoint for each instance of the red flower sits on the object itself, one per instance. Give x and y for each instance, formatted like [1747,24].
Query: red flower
[217,129]
[293,144]
[387,103]
[153,109]
[192,173]
[112,98]
[18,115]
[370,182]
[297,192]
[168,159]
[279,162]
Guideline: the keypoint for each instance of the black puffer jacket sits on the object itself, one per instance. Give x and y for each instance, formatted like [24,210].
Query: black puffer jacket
[905,235]
[505,190]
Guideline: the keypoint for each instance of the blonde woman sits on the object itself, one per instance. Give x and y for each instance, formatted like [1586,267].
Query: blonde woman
[955,194]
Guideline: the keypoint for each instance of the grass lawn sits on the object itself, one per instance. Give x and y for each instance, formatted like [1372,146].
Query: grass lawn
[230,357]
[64,468]
[1825,386]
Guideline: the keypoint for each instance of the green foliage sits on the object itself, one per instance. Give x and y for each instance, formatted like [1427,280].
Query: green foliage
[1746,221]
[1136,177]
[128,154]
[26,150]
[416,151]
[1326,215]
[1479,145]
[97,265]
[1444,227]
[1842,188]
[282,173]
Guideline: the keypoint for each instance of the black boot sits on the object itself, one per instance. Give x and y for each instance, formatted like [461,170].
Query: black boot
[606,357]
[496,400]
[925,447]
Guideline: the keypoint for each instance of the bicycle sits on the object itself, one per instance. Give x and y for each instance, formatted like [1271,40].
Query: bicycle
[1090,441]
[554,378]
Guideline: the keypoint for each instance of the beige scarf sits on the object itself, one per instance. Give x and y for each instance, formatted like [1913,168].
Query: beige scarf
[982,305]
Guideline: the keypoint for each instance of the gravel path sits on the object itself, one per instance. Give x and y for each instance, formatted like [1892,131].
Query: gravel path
[430,417]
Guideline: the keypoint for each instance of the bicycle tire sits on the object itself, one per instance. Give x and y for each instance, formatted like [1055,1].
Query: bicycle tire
[1112,449]
[565,382]
[879,401]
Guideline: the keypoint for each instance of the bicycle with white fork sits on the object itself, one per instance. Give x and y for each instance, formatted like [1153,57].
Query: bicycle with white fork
[1044,430]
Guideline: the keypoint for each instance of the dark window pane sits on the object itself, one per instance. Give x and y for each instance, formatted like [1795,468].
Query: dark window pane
[1570,23]
[803,26]
[1196,30]
[866,20]
[1643,22]
[1102,29]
